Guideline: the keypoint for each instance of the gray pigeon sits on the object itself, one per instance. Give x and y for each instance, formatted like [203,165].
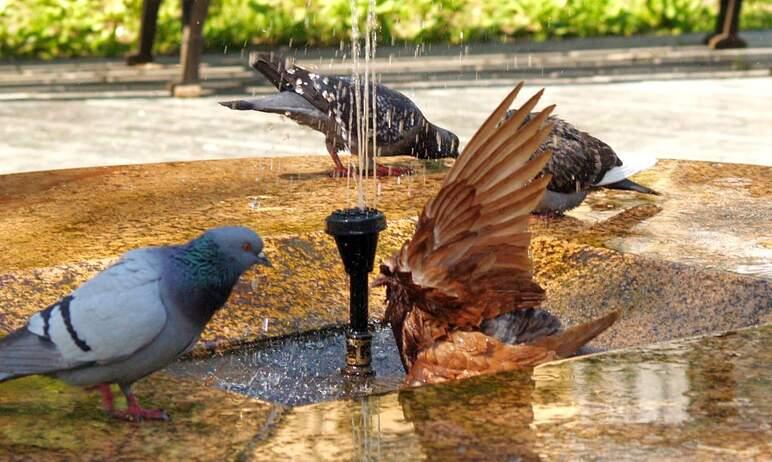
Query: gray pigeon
[328,104]
[133,318]
[580,163]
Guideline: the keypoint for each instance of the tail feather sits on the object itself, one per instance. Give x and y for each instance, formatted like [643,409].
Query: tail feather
[4,376]
[24,353]
[569,341]
[630,166]
[287,103]
[630,185]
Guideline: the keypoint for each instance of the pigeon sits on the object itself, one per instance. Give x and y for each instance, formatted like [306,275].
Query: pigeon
[458,292]
[328,104]
[133,318]
[580,163]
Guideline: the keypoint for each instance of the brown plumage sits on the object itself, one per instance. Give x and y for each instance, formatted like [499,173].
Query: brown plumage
[468,261]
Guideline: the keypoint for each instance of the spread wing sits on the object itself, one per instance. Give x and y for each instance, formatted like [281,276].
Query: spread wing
[469,253]
[109,317]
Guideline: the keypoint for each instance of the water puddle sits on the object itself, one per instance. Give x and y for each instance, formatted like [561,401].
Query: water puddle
[298,370]
[698,399]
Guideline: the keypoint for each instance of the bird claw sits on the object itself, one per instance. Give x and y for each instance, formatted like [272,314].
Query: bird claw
[140,414]
[340,172]
[380,170]
[384,170]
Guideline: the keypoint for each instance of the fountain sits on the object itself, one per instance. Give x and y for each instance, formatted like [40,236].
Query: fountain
[356,235]
[356,229]
[700,398]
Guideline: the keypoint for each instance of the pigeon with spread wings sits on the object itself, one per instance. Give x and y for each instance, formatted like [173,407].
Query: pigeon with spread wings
[456,289]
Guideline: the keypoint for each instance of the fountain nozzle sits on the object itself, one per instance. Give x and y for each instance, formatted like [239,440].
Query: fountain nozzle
[356,234]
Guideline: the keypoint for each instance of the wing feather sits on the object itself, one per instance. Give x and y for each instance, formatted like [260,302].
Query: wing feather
[110,316]
[482,134]
[470,248]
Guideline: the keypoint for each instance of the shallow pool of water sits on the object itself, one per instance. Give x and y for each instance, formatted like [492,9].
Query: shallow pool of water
[298,370]
[694,399]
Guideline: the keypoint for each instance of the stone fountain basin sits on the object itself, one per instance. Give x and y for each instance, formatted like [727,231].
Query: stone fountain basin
[696,260]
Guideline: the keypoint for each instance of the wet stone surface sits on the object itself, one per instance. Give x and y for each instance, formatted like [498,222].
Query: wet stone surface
[58,228]
[43,419]
[692,261]
[695,399]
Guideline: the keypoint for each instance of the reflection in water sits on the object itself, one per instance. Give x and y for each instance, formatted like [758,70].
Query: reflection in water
[714,376]
[484,418]
[701,399]
[654,392]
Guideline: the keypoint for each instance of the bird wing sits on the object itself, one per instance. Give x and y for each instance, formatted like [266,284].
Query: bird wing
[399,119]
[469,252]
[110,316]
[323,92]
[287,103]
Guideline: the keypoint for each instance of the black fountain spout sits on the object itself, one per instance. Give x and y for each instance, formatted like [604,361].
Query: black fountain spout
[356,234]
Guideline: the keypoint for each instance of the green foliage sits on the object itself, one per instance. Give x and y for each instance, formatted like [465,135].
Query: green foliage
[57,28]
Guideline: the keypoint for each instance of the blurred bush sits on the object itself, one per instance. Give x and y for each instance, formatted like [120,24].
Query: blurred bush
[60,28]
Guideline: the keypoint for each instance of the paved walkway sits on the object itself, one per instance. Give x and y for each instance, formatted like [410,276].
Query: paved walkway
[683,102]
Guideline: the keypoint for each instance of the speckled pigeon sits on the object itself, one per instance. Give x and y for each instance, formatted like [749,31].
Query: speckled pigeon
[328,104]
[580,163]
[133,318]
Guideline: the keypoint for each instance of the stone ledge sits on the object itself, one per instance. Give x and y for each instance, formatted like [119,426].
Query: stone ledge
[60,227]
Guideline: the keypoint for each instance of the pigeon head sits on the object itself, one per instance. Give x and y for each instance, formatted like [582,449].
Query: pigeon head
[241,246]
[437,143]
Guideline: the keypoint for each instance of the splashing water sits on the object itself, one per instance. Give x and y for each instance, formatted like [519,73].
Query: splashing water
[364,88]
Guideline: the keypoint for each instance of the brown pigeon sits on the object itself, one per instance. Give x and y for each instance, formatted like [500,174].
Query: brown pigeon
[465,276]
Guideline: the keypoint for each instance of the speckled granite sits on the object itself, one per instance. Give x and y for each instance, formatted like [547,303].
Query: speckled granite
[58,228]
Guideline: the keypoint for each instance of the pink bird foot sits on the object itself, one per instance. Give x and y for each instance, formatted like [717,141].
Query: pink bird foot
[380,170]
[136,413]
[133,413]
[385,170]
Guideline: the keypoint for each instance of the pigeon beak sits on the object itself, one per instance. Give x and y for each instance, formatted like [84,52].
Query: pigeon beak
[263,260]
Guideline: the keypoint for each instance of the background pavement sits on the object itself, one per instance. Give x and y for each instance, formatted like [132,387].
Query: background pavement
[671,98]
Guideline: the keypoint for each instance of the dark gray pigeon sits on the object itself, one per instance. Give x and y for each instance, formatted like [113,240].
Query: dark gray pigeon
[328,104]
[133,318]
[580,163]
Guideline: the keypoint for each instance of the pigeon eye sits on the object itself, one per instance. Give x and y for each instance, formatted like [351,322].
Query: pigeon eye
[246,246]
